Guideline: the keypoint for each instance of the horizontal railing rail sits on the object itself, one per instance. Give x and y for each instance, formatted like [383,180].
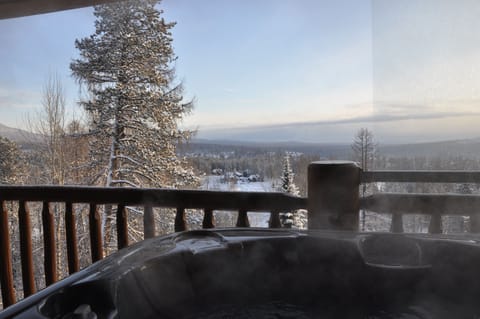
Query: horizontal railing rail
[224,200]
[438,176]
[422,204]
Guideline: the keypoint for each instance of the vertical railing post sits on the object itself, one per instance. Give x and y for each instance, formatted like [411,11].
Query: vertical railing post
[208,219]
[148,222]
[122,226]
[26,249]
[475,223]
[397,223]
[95,225]
[435,226]
[50,259]
[71,235]
[333,195]
[180,223]
[6,271]
[242,219]
[274,221]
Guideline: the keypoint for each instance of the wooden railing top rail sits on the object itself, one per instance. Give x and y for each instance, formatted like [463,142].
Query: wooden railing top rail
[440,176]
[415,203]
[218,200]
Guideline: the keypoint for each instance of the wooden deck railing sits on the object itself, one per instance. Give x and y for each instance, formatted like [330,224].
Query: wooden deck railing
[208,201]
[333,202]
[435,205]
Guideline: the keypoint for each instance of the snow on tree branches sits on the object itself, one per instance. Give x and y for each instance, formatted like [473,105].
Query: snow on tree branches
[288,186]
[296,218]
[135,103]
[11,169]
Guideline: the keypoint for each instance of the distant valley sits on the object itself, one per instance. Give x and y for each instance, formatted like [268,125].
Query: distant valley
[465,147]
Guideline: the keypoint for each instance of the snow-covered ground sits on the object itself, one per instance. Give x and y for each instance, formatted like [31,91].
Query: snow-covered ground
[214,182]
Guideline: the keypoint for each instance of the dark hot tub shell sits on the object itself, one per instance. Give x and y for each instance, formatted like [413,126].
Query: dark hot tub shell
[335,274]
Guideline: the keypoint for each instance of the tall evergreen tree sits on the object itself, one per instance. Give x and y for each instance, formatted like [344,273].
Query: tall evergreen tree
[288,186]
[296,218]
[135,103]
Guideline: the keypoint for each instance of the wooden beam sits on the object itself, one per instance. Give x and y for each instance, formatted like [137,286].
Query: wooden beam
[156,197]
[21,8]
[421,176]
[424,204]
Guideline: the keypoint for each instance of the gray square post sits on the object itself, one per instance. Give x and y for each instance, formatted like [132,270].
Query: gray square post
[333,195]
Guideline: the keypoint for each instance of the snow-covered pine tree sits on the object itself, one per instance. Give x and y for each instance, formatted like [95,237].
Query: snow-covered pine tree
[288,186]
[296,219]
[135,104]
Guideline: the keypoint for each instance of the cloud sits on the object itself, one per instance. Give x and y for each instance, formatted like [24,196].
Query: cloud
[388,128]
[367,119]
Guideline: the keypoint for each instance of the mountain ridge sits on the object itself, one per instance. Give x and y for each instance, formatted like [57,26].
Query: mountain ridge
[17,135]
[467,146]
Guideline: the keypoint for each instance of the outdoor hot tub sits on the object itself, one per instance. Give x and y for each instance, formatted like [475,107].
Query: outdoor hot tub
[258,273]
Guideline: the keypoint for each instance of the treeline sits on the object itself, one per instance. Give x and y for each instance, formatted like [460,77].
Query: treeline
[269,165]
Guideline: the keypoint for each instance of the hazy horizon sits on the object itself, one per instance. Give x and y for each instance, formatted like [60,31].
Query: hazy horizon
[269,135]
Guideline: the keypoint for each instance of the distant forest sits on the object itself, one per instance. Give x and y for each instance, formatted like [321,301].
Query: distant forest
[266,159]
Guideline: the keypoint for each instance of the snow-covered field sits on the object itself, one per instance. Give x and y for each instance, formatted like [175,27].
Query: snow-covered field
[214,182]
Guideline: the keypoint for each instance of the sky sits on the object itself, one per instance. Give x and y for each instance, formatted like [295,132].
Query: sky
[279,70]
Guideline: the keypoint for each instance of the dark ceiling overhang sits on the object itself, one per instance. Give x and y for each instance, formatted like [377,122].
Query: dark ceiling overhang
[20,8]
